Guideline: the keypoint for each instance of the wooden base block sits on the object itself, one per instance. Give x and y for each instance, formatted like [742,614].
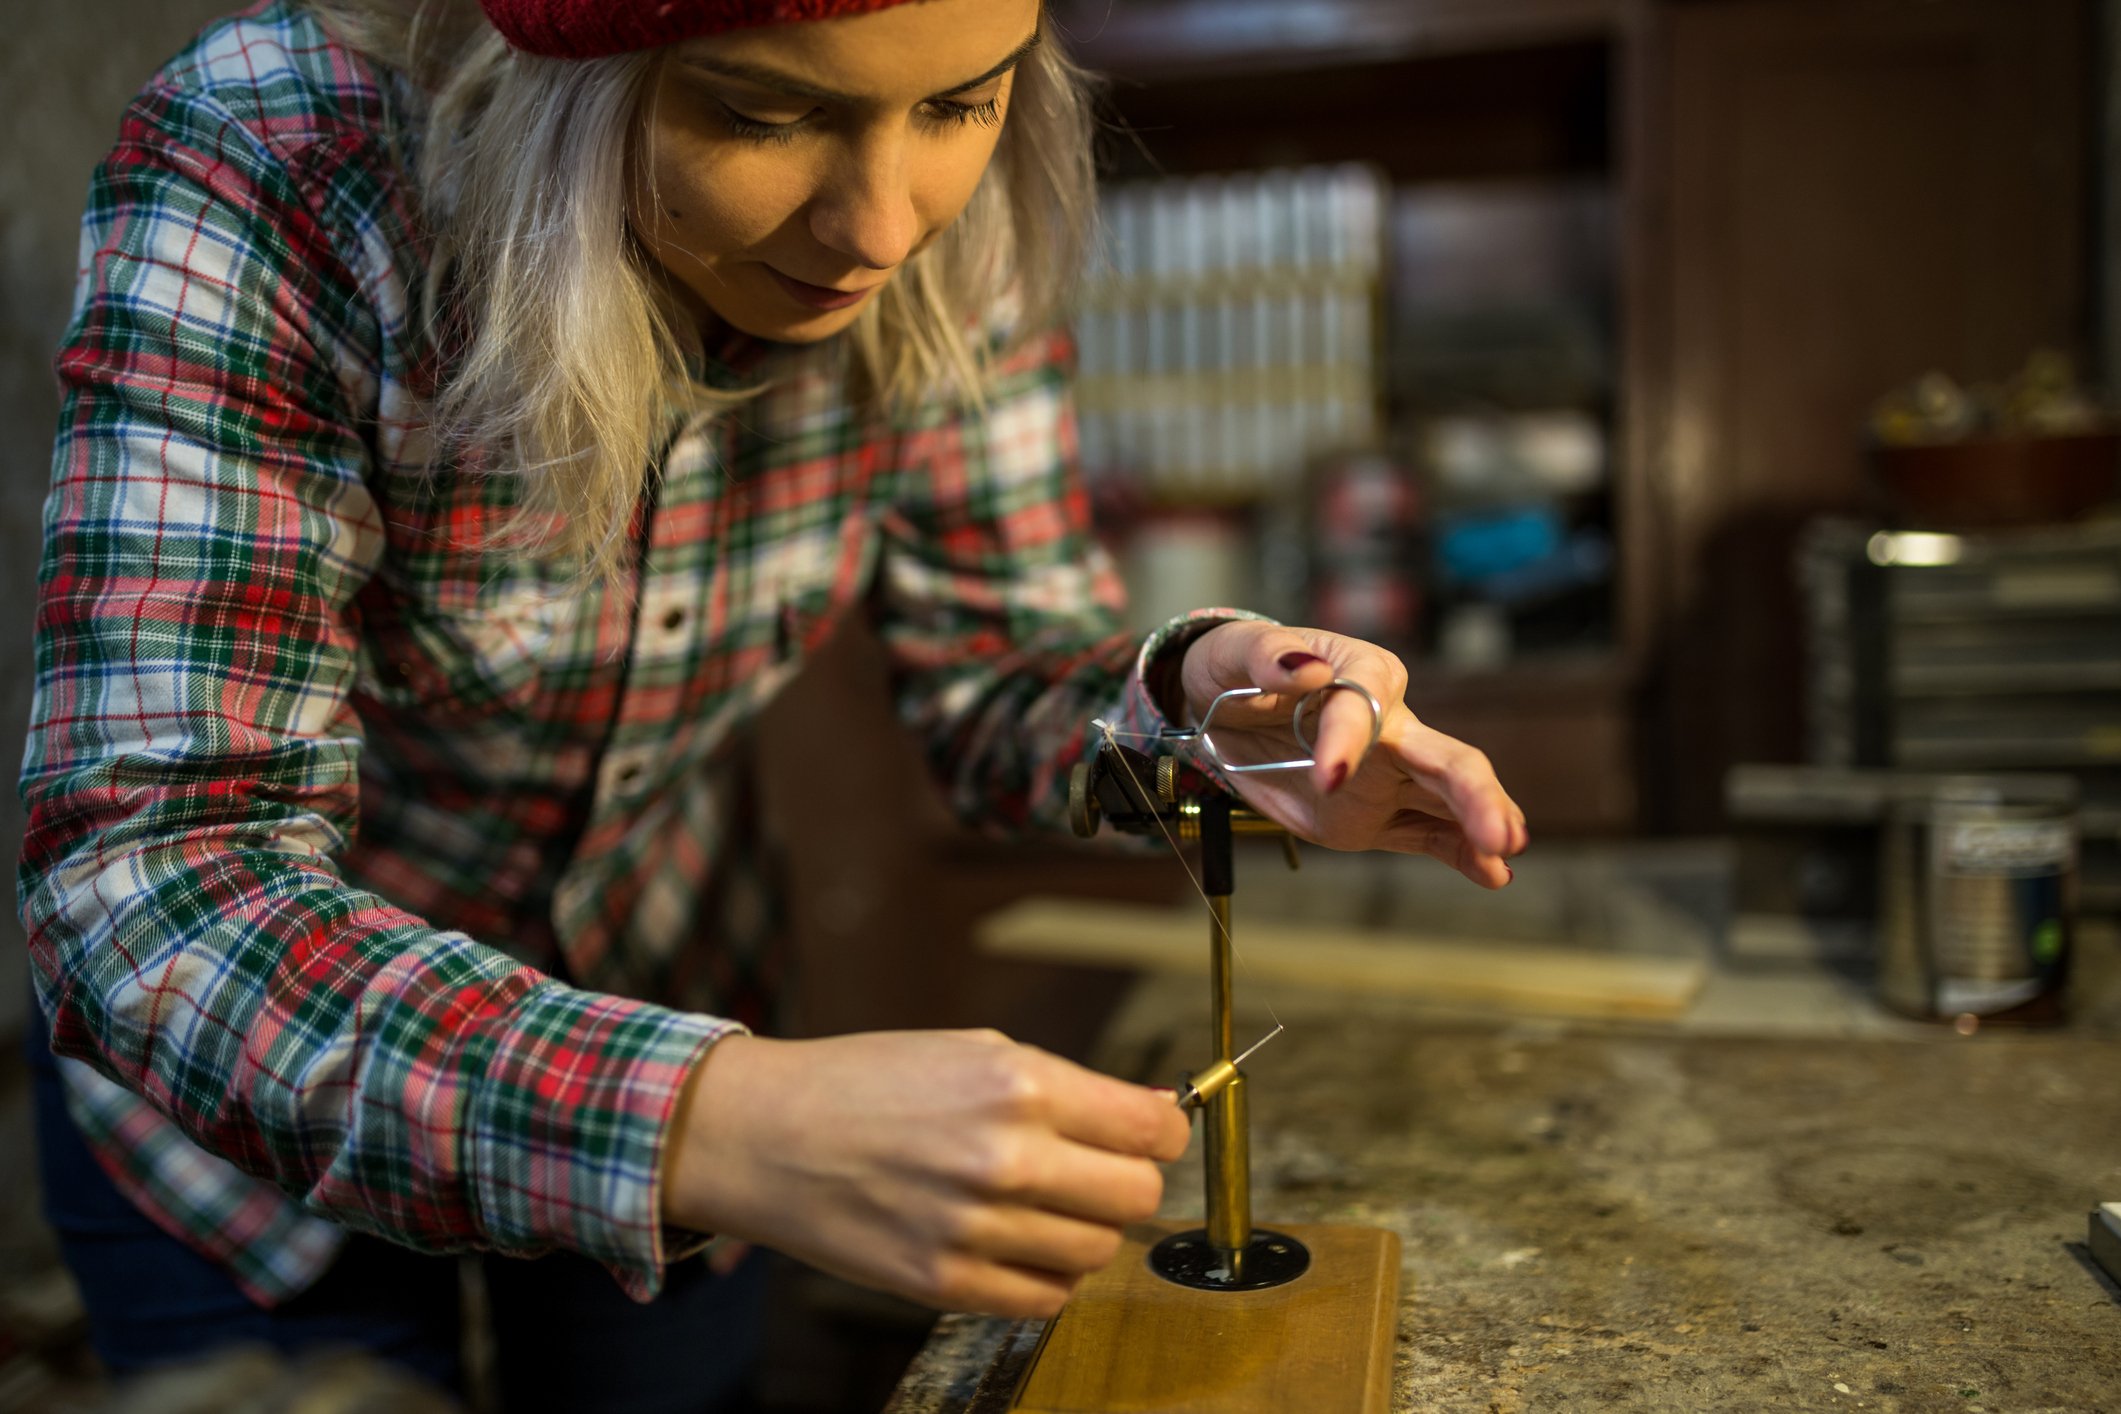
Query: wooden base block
[1130,1342]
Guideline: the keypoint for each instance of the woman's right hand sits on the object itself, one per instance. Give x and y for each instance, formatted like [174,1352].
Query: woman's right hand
[956,1168]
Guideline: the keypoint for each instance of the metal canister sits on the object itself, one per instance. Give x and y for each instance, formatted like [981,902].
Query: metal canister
[1978,880]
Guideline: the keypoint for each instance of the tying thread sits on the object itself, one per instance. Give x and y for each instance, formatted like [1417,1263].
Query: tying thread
[1112,739]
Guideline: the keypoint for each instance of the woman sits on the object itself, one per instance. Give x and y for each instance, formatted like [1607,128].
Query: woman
[473,415]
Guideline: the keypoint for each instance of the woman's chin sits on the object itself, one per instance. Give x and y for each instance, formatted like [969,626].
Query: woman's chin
[782,320]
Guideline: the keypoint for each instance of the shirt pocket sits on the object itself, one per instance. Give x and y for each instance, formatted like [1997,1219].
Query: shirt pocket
[811,606]
[486,663]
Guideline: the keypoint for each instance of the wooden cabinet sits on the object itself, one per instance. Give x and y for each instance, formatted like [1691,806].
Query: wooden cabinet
[1496,125]
[1840,197]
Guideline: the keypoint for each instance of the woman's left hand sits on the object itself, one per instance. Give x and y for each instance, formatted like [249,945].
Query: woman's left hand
[1417,791]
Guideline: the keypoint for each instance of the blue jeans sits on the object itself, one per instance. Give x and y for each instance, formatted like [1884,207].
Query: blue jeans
[565,1336]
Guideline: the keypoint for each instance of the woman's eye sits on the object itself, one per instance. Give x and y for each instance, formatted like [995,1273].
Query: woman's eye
[955,114]
[938,112]
[759,129]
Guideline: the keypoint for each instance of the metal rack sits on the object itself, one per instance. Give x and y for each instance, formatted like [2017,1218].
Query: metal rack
[1990,651]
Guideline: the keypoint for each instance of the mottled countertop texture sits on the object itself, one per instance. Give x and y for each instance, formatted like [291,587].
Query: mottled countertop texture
[1779,1210]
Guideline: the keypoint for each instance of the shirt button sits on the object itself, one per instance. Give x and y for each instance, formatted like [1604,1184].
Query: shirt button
[674,620]
[629,773]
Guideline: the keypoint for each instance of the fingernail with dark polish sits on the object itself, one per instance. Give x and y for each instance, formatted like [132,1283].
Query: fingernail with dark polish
[1297,662]
[1511,872]
[1340,778]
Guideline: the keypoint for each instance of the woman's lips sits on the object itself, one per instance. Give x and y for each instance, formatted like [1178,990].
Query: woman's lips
[818,296]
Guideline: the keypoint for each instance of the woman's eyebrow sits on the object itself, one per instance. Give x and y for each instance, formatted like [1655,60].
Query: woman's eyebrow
[766,77]
[1015,57]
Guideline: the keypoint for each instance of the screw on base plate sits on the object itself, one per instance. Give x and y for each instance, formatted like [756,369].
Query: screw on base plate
[1269,1259]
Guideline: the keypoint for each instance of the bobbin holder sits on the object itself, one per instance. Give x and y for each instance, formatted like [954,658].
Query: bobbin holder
[1142,794]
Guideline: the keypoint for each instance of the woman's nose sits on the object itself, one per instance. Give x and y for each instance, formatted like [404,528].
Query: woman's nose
[867,211]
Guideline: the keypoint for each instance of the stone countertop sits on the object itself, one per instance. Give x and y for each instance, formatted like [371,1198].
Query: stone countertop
[1601,1217]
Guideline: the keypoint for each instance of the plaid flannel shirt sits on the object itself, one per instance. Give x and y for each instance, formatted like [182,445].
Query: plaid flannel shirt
[374,881]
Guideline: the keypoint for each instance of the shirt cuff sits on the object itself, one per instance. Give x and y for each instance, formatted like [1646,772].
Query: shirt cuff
[1164,651]
[564,1140]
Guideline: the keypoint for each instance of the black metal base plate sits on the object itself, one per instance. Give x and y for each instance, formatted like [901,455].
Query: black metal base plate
[1269,1259]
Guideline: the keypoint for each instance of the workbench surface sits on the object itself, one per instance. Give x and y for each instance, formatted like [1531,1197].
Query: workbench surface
[1599,1217]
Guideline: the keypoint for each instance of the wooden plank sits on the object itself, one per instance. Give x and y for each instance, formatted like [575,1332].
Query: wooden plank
[1129,1340]
[1512,977]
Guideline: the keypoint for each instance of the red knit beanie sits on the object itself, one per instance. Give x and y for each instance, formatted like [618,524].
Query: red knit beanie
[592,29]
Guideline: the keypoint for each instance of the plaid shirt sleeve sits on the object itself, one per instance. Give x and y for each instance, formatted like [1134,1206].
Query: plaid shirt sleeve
[192,764]
[1001,611]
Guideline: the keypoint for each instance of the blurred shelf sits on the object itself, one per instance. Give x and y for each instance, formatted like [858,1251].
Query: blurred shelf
[2004,679]
[1194,37]
[1954,612]
[2002,753]
[1474,114]
[1500,114]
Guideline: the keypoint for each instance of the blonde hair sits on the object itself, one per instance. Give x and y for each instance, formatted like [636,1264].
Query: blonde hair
[567,370]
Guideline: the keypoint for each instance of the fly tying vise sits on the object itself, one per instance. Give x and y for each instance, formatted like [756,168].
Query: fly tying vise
[1196,1090]
[1109,786]
[1333,1288]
